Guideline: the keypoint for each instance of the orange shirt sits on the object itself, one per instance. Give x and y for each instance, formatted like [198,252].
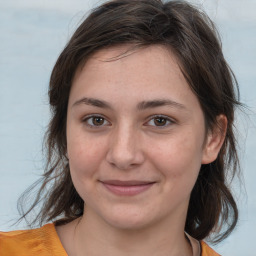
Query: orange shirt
[44,241]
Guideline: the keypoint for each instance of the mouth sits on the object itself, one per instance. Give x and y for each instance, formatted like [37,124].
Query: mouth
[127,188]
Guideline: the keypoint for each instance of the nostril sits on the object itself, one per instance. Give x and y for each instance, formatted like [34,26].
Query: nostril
[125,160]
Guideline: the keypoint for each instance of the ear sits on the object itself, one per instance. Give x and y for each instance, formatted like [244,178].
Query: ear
[214,140]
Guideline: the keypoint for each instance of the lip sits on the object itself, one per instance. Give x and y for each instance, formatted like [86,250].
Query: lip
[127,188]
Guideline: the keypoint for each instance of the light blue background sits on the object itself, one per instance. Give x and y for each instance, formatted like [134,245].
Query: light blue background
[32,34]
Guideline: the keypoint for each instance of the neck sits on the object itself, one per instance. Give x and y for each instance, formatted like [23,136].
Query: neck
[94,237]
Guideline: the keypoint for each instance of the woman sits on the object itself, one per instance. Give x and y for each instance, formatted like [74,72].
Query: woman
[140,139]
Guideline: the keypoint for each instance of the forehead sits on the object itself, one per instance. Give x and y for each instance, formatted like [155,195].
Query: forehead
[153,69]
[157,58]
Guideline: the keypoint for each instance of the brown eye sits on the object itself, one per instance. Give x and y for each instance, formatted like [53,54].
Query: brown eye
[160,121]
[98,121]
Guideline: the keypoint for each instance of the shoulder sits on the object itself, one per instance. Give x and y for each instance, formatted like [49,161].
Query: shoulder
[23,242]
[40,242]
[207,250]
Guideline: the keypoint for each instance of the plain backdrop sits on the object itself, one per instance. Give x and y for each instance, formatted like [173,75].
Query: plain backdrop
[32,34]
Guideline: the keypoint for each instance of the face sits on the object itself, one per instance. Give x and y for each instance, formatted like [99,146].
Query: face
[135,137]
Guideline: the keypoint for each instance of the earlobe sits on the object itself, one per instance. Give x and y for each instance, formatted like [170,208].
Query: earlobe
[214,140]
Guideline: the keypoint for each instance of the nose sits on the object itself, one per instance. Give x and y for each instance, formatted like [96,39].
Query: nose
[125,150]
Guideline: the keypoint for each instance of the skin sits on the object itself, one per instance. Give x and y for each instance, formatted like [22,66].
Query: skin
[163,142]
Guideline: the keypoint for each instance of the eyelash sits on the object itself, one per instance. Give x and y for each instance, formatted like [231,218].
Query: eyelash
[91,117]
[167,119]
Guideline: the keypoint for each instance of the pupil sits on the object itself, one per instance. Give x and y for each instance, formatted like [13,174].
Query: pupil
[98,120]
[160,121]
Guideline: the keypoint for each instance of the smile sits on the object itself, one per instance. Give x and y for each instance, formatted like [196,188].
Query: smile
[127,188]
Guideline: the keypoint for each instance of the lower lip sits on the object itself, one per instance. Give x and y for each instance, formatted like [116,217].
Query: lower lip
[127,190]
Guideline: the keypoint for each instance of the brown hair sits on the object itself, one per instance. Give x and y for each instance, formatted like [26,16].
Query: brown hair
[193,38]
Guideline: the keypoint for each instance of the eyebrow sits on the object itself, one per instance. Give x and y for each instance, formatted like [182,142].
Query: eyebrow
[140,106]
[92,102]
[159,103]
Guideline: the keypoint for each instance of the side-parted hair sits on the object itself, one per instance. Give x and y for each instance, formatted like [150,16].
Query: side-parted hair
[192,37]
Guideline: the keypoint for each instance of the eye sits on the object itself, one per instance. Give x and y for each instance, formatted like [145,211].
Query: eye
[96,121]
[160,121]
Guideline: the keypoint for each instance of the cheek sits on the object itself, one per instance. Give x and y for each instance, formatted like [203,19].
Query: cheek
[83,165]
[179,161]
[83,150]
[85,156]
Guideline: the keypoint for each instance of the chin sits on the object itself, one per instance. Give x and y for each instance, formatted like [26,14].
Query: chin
[129,219]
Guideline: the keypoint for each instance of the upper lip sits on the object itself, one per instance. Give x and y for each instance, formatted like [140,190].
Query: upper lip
[127,182]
